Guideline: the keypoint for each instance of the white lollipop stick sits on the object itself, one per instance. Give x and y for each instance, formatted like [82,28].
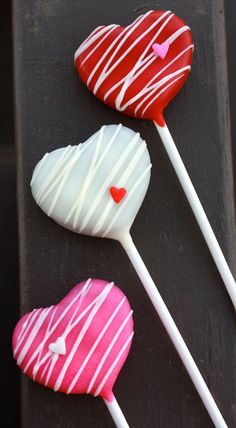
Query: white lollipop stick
[173,332]
[116,413]
[198,211]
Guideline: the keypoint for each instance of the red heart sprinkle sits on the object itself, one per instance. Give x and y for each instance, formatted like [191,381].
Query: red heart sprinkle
[117,193]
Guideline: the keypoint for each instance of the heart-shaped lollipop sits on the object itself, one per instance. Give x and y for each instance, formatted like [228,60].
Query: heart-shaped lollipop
[79,345]
[95,188]
[77,186]
[138,70]
[120,66]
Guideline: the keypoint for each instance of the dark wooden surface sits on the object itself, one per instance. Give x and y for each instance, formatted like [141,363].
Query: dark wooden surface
[10,379]
[54,109]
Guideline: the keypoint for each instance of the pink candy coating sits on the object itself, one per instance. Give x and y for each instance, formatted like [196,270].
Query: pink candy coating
[79,345]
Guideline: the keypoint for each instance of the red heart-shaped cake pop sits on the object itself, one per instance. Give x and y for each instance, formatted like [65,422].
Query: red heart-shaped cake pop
[79,345]
[120,66]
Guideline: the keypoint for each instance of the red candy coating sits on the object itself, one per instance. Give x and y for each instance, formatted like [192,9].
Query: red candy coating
[120,67]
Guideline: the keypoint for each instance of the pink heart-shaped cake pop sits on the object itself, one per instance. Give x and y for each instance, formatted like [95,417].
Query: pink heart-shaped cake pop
[121,68]
[79,345]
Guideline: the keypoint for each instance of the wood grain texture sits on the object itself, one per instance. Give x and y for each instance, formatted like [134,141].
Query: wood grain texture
[54,109]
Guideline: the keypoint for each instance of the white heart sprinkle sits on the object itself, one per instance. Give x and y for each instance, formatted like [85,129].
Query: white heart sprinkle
[58,347]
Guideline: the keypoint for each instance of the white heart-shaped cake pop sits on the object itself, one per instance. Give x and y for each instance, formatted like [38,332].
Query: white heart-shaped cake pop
[95,188]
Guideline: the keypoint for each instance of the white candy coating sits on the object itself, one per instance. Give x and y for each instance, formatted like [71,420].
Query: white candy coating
[72,184]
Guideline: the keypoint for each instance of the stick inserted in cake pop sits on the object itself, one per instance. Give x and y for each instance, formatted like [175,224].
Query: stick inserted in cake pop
[97,188]
[79,345]
[137,70]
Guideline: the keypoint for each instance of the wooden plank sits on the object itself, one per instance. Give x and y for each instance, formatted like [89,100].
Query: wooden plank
[230,17]
[10,393]
[54,109]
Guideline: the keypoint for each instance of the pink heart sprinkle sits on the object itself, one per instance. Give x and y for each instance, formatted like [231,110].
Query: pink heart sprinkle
[161,50]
